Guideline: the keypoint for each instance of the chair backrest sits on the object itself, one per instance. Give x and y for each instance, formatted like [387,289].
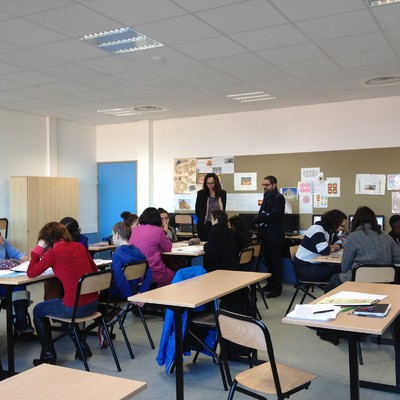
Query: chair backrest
[135,270]
[293,251]
[184,224]
[257,249]
[375,273]
[4,227]
[95,282]
[246,256]
[249,332]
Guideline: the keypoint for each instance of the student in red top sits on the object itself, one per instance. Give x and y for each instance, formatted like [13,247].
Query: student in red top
[70,261]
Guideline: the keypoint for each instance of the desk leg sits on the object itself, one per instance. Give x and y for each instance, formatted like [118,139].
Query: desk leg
[10,331]
[353,367]
[178,353]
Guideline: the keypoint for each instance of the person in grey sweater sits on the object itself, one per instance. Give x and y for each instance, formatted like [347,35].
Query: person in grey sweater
[366,244]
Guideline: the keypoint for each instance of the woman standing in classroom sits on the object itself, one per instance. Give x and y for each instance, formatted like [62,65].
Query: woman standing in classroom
[211,197]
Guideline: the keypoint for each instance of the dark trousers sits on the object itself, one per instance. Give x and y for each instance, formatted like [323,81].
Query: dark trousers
[273,257]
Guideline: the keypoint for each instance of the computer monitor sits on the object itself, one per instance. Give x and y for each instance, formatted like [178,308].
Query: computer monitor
[291,223]
[380,219]
[248,219]
[316,218]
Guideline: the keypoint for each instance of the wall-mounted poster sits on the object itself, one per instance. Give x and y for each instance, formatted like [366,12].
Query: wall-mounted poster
[393,182]
[305,203]
[290,193]
[370,184]
[185,175]
[245,181]
[396,202]
[310,174]
[185,202]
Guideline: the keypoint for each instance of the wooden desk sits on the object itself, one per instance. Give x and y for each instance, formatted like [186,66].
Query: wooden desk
[193,293]
[55,382]
[333,258]
[183,249]
[8,283]
[351,326]
[100,246]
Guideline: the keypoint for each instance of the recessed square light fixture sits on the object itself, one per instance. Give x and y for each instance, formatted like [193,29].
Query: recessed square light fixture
[121,40]
[375,3]
[250,97]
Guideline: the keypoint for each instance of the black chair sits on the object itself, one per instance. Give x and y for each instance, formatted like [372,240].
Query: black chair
[269,377]
[302,285]
[256,267]
[136,270]
[93,282]
[4,227]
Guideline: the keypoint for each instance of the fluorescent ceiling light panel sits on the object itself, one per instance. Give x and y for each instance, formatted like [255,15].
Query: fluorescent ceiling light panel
[375,3]
[250,97]
[121,40]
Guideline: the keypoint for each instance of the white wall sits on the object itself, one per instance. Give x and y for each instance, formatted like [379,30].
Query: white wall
[23,151]
[361,124]
[76,158]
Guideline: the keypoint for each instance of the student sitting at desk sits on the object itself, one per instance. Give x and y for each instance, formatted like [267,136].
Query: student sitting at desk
[366,244]
[320,240]
[394,223]
[20,296]
[168,229]
[70,261]
[124,254]
[243,234]
[151,240]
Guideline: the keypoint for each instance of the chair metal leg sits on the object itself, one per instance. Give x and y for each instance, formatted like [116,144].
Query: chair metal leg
[106,332]
[293,299]
[78,342]
[262,294]
[146,328]
[122,328]
[360,357]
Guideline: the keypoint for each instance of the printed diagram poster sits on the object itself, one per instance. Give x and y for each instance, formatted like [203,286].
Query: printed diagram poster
[185,202]
[395,202]
[310,174]
[304,187]
[243,202]
[372,184]
[290,193]
[185,175]
[226,165]
[305,203]
[245,181]
[320,201]
[332,187]
[393,182]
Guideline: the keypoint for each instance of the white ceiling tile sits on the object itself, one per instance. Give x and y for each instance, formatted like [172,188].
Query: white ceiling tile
[388,16]
[27,58]
[23,7]
[339,25]
[196,5]
[241,17]
[177,30]
[384,56]
[237,62]
[261,74]
[354,44]
[300,10]
[71,72]
[210,48]
[290,54]
[269,38]
[310,67]
[30,77]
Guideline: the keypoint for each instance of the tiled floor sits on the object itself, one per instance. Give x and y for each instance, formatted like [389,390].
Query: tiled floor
[294,345]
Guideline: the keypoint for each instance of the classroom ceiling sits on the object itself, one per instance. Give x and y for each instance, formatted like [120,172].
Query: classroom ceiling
[301,52]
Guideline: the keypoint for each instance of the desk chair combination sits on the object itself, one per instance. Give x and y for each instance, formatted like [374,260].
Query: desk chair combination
[373,273]
[90,283]
[302,285]
[136,270]
[4,227]
[269,377]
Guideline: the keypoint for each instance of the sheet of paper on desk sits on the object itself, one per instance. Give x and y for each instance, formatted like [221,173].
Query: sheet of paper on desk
[314,312]
[188,249]
[345,298]
[24,267]
[4,272]
[99,262]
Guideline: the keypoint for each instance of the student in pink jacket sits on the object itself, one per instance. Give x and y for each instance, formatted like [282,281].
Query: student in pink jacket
[150,238]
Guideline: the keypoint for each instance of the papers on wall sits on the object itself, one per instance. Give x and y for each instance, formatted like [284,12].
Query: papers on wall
[243,201]
[245,181]
[396,202]
[314,312]
[305,203]
[370,184]
[352,299]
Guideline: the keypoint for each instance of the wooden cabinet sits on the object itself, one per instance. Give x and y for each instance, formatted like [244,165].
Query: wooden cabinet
[34,201]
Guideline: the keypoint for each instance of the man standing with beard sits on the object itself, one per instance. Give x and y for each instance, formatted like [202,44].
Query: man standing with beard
[270,221]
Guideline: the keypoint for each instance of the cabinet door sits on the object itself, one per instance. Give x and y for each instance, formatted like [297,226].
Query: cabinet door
[66,198]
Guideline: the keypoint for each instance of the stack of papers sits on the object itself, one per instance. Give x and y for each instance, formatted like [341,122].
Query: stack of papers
[188,249]
[24,267]
[314,312]
[345,298]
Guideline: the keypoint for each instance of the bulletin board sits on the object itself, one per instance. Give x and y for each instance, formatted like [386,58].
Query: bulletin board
[345,164]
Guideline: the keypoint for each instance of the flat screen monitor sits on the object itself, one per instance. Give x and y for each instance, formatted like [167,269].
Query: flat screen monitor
[291,223]
[380,219]
[248,220]
[316,218]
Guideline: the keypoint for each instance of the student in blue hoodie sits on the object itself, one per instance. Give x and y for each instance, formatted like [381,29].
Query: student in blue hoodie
[124,254]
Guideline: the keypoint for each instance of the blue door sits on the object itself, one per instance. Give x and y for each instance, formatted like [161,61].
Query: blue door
[116,192]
